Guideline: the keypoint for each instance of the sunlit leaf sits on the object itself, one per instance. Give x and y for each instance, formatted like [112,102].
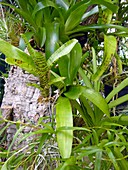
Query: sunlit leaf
[63,50]
[64,118]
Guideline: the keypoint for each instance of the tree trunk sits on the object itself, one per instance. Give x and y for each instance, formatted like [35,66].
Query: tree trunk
[22,103]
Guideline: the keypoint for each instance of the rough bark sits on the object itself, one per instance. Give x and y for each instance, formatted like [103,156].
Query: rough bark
[22,103]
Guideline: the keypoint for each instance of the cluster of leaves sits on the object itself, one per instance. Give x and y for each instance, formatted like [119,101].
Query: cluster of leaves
[99,141]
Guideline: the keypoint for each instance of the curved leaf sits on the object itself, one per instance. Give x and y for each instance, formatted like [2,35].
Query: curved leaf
[118,101]
[64,118]
[97,99]
[75,61]
[52,38]
[76,12]
[110,48]
[15,53]
[63,50]
[97,26]
[123,84]
[92,95]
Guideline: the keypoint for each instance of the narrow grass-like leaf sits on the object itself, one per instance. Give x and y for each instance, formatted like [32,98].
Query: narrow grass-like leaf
[118,101]
[122,162]
[112,158]
[98,160]
[15,137]
[64,118]
[117,89]
[5,165]
[97,26]
[85,78]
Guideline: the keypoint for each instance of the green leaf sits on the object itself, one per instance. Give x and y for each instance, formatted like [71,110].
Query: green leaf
[112,158]
[63,4]
[85,78]
[62,51]
[97,26]
[40,36]
[74,92]
[26,15]
[97,99]
[98,160]
[15,137]
[64,118]
[52,38]
[13,52]
[118,101]
[109,50]
[24,65]
[75,61]
[63,64]
[42,5]
[23,5]
[92,95]
[75,17]
[117,89]
[122,162]
[76,12]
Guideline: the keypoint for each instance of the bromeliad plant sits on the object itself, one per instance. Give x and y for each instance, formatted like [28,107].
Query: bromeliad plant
[100,141]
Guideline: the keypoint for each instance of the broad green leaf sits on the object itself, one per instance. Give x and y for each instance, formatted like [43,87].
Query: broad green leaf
[74,92]
[40,36]
[89,116]
[93,96]
[63,50]
[75,61]
[75,17]
[63,4]
[52,38]
[24,65]
[117,89]
[63,64]
[97,99]
[64,117]
[109,50]
[13,52]
[118,101]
